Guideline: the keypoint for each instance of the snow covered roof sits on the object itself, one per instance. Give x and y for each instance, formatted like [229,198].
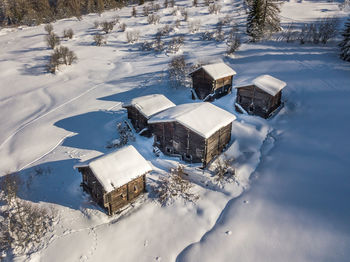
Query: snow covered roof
[151,104]
[269,84]
[203,118]
[218,70]
[115,169]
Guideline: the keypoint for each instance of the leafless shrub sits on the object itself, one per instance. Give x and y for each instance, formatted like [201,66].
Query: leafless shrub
[224,171]
[146,46]
[48,28]
[175,44]
[107,26]
[207,36]
[125,135]
[320,32]
[175,185]
[156,7]
[328,29]
[22,224]
[122,27]
[61,55]
[68,33]
[214,8]
[219,33]
[166,3]
[194,26]
[195,3]
[158,43]
[132,36]
[177,23]
[153,19]
[96,24]
[172,3]
[226,20]
[146,10]
[177,71]
[99,40]
[116,19]
[52,40]
[208,2]
[165,30]
[133,12]
[290,34]
[184,13]
[233,42]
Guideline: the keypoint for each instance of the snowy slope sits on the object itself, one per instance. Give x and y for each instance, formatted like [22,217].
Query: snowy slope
[293,208]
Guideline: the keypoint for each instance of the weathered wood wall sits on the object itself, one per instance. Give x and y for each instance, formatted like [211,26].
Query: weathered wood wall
[204,85]
[138,120]
[216,143]
[115,199]
[256,101]
[91,185]
[123,195]
[172,138]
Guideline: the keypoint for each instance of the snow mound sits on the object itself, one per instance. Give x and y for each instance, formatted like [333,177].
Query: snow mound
[203,118]
[118,168]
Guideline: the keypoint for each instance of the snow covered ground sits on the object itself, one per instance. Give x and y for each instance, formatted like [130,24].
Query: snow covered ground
[293,207]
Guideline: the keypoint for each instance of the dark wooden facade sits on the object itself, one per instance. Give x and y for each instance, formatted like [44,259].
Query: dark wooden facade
[116,199]
[172,138]
[138,120]
[207,88]
[256,101]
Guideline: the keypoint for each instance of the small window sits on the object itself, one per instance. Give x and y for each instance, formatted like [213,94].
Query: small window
[136,189]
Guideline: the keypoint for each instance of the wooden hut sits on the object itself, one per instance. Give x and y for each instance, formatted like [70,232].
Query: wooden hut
[140,109]
[115,179]
[262,97]
[212,81]
[197,132]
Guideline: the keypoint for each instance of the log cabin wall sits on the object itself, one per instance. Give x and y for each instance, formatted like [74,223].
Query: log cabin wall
[138,120]
[123,195]
[202,83]
[91,185]
[172,138]
[256,101]
[217,142]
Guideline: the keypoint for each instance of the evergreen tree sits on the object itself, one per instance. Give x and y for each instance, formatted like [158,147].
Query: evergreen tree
[263,18]
[345,43]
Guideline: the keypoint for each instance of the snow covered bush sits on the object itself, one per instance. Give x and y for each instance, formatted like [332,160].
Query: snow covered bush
[99,40]
[146,10]
[132,36]
[146,46]
[175,44]
[165,30]
[23,224]
[61,55]
[194,26]
[233,42]
[177,71]
[96,24]
[219,34]
[52,40]
[158,43]
[345,43]
[153,19]
[175,185]
[214,8]
[107,26]
[122,27]
[68,33]
[207,36]
[125,135]
[224,170]
[48,28]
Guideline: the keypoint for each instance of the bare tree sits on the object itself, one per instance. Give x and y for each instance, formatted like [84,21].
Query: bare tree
[133,12]
[177,71]
[175,185]
[107,26]
[233,42]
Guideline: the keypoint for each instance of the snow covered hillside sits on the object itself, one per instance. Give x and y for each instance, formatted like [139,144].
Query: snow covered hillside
[291,199]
